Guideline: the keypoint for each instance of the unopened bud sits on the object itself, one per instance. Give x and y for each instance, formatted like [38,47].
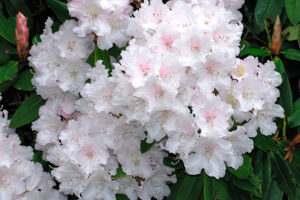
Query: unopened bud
[21,36]
[276,37]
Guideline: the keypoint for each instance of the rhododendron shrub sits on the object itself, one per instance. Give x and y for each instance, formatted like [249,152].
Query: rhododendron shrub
[148,100]
[178,83]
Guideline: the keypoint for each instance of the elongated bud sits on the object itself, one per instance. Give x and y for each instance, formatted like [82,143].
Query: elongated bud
[276,37]
[21,36]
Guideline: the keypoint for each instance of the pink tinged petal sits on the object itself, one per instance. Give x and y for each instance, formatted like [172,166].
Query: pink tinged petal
[163,72]
[145,67]
[167,40]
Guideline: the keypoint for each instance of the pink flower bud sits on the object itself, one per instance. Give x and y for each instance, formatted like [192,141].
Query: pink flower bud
[21,36]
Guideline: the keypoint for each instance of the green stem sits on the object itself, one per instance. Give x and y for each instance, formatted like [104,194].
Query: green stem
[284,129]
[268,33]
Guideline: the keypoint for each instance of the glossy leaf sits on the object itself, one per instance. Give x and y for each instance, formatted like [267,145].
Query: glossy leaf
[15,6]
[282,174]
[8,71]
[292,8]
[208,188]
[255,52]
[27,112]
[145,147]
[263,170]
[273,192]
[280,68]
[7,28]
[292,54]
[264,143]
[286,98]
[294,119]
[186,188]
[244,170]
[59,8]
[23,82]
[266,9]
[219,189]
[121,197]
[252,184]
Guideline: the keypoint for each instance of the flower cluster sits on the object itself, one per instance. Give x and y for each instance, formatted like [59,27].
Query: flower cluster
[20,178]
[178,84]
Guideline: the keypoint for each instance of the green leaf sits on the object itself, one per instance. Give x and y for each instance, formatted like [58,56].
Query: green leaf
[280,68]
[120,173]
[121,197]
[219,189]
[208,188]
[36,39]
[266,9]
[294,119]
[7,28]
[292,54]
[145,147]
[282,174]
[59,8]
[255,52]
[263,170]
[23,81]
[273,192]
[252,184]
[27,112]
[264,143]
[103,55]
[5,51]
[291,32]
[292,8]
[244,170]
[180,174]
[173,162]
[185,190]
[286,98]
[8,71]
[15,6]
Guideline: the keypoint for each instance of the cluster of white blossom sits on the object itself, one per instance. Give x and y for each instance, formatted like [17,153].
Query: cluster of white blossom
[178,83]
[20,178]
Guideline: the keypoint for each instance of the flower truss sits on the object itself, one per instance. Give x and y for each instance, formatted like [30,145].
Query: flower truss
[178,83]
[20,178]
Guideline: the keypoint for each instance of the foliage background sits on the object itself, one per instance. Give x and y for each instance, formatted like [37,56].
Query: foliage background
[264,175]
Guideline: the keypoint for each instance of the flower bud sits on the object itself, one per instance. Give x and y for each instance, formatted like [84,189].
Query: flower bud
[21,36]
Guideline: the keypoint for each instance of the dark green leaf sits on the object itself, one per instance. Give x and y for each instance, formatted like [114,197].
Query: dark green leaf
[292,8]
[186,187]
[219,189]
[15,6]
[120,173]
[5,50]
[180,174]
[280,68]
[244,170]
[7,28]
[282,174]
[263,170]
[234,193]
[8,71]
[23,81]
[122,197]
[255,52]
[59,8]
[265,143]
[27,112]
[292,54]
[103,55]
[286,98]
[273,192]
[294,119]
[145,147]
[252,184]
[173,162]
[266,9]
[208,188]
